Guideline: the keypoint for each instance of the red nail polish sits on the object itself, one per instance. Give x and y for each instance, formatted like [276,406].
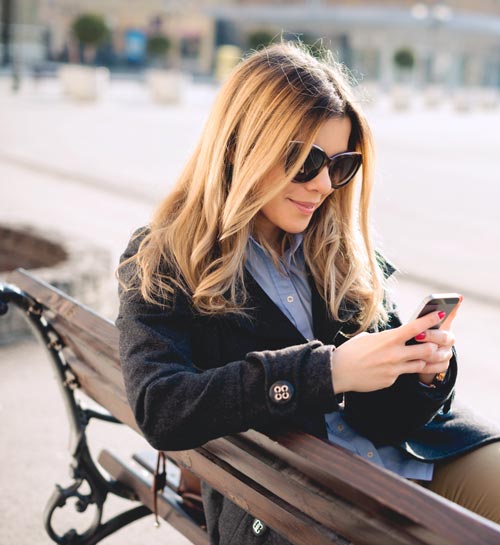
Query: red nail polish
[441,314]
[420,337]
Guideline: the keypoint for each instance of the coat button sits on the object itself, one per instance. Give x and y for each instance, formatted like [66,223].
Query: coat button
[258,527]
[281,392]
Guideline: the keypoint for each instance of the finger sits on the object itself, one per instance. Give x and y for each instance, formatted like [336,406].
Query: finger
[410,367]
[440,337]
[435,368]
[424,351]
[413,328]
[442,355]
[447,324]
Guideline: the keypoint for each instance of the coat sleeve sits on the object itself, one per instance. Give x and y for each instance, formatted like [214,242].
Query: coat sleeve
[179,406]
[392,414]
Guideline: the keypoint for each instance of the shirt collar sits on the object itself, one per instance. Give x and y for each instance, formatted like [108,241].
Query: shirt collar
[295,245]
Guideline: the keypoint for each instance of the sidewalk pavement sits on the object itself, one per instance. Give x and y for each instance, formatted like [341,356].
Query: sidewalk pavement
[95,172]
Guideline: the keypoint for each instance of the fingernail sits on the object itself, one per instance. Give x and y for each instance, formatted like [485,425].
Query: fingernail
[420,337]
[441,314]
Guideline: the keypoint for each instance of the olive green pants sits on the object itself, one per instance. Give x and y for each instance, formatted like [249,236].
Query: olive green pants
[472,480]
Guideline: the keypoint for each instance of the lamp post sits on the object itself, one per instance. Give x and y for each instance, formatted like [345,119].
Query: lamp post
[6,36]
[435,16]
[173,9]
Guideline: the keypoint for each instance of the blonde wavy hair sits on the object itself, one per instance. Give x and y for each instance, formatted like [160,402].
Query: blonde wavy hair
[198,235]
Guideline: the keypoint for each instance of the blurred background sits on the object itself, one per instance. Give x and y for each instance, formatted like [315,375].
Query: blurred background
[101,104]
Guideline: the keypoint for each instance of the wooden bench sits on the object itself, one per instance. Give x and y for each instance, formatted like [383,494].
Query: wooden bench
[308,490]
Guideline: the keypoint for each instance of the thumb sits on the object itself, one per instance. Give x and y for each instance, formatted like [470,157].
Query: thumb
[449,319]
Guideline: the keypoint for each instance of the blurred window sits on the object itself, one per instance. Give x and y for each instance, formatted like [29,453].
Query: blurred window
[190,45]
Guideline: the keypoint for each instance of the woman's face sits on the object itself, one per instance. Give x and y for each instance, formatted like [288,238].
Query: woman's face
[292,209]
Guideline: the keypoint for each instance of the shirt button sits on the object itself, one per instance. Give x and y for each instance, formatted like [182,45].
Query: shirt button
[281,392]
[340,427]
[258,527]
[370,454]
[290,298]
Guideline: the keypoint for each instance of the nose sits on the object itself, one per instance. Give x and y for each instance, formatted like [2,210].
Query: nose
[320,183]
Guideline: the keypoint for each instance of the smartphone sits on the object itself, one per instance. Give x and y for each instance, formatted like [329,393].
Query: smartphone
[434,302]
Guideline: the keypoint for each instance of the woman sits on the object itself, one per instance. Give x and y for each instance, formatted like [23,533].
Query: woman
[255,298]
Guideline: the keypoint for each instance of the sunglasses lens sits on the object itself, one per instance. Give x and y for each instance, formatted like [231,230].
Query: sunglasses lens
[343,168]
[313,163]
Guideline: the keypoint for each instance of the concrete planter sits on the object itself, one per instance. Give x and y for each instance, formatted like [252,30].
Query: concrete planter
[488,98]
[83,83]
[433,96]
[165,86]
[401,96]
[71,265]
[463,100]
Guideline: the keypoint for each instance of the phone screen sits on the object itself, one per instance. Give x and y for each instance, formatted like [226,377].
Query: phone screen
[446,304]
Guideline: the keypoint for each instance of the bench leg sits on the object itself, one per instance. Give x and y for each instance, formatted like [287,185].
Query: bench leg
[98,530]
[85,472]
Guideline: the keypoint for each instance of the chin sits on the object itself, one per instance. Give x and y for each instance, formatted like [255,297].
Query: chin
[295,229]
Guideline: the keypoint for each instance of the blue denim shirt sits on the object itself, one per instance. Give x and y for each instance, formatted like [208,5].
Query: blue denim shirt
[289,290]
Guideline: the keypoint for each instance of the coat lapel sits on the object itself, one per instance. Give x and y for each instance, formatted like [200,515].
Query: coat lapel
[267,320]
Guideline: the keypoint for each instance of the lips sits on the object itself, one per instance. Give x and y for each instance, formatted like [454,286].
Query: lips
[304,206]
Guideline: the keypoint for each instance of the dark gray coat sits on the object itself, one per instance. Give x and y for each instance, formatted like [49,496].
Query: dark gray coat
[191,378]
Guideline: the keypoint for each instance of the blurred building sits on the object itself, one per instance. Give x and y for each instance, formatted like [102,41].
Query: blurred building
[454,43]
[130,22]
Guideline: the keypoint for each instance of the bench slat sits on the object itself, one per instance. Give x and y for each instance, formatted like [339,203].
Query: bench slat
[316,501]
[377,490]
[63,305]
[105,393]
[168,506]
[90,343]
[254,498]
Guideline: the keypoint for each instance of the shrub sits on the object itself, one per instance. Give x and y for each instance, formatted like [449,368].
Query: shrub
[259,39]
[90,29]
[404,58]
[158,46]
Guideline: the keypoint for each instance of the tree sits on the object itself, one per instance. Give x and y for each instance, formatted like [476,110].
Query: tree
[157,48]
[259,39]
[90,30]
[404,59]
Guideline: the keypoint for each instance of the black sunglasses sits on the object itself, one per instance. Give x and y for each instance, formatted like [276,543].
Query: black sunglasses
[342,167]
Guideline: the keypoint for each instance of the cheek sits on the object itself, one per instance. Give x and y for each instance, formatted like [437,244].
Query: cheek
[275,207]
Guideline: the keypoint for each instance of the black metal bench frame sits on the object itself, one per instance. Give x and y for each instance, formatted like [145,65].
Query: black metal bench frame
[306,489]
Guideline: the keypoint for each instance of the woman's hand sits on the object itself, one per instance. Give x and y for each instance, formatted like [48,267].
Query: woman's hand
[445,339]
[372,361]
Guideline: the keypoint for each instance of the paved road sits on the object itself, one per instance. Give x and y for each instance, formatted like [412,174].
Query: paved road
[95,171]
